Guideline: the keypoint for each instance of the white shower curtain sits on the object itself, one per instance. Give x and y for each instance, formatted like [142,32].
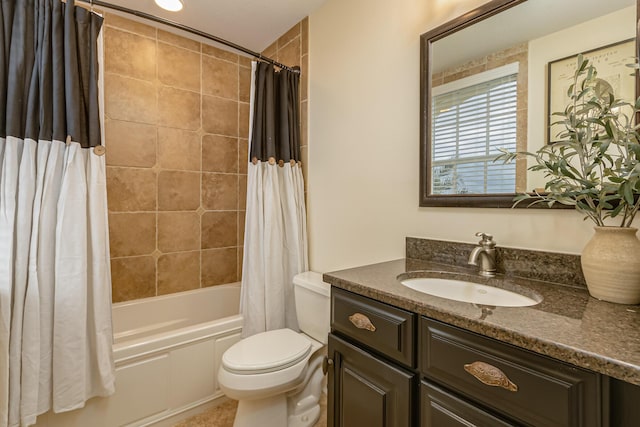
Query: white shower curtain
[275,243]
[55,285]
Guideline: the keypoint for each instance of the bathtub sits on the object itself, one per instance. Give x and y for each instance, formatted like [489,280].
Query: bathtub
[167,351]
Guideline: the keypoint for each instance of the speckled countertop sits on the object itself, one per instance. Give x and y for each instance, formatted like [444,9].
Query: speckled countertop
[567,325]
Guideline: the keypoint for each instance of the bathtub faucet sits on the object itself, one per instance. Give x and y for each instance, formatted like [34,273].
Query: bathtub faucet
[485,252]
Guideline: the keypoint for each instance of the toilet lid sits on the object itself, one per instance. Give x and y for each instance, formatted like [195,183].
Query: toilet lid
[266,352]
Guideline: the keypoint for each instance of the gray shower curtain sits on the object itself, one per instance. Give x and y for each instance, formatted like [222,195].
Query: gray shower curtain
[275,245]
[55,288]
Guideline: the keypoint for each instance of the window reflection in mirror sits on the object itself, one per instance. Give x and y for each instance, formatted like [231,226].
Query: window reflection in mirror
[472,118]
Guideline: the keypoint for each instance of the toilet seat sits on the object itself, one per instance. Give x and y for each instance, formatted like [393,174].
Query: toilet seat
[266,352]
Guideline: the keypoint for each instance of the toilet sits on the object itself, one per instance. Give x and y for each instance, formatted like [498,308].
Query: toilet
[276,376]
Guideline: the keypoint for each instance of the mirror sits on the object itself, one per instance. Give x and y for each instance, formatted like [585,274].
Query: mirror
[488,79]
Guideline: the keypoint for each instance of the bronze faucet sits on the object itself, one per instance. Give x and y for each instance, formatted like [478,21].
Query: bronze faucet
[486,253]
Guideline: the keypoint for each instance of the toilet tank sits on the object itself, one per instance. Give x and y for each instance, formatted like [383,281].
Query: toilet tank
[313,305]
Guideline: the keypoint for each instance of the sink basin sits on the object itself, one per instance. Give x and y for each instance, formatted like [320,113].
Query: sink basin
[461,290]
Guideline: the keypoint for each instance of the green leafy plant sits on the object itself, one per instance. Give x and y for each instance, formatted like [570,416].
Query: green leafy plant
[594,164]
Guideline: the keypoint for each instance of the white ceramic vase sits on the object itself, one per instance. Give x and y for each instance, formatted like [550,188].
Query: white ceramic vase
[611,265]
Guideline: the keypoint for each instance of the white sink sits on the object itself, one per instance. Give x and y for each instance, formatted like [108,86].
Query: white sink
[460,290]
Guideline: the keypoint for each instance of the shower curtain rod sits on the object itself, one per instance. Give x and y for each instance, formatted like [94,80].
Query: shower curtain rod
[192,31]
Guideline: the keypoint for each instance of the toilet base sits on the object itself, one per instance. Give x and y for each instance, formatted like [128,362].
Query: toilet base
[305,419]
[267,412]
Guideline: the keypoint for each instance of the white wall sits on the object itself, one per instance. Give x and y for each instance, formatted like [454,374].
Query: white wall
[364,143]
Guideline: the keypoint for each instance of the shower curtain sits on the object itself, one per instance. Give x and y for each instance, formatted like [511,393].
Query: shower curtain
[55,285]
[275,243]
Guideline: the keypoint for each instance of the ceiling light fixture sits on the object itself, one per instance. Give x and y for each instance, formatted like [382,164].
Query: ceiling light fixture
[170,5]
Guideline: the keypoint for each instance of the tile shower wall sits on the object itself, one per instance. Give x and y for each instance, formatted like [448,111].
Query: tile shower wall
[176,124]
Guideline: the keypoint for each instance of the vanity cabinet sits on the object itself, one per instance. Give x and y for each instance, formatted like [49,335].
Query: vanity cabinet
[373,380]
[443,409]
[393,368]
[367,390]
[528,388]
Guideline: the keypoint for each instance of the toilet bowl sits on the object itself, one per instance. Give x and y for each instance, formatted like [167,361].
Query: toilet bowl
[276,376]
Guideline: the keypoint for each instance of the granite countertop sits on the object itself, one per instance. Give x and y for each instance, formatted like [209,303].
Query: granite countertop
[568,324]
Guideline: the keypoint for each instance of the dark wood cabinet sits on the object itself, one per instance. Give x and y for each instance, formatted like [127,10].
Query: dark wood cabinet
[439,408]
[532,389]
[624,404]
[393,368]
[392,331]
[366,390]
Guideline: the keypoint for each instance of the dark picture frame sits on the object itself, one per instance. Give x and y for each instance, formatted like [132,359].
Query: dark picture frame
[611,63]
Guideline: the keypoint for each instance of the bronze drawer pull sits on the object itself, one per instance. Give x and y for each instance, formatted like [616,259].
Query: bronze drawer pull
[361,321]
[490,375]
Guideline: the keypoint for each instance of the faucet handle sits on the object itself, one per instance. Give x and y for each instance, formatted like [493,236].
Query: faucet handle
[487,240]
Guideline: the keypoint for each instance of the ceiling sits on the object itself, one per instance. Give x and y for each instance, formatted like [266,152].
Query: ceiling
[254,24]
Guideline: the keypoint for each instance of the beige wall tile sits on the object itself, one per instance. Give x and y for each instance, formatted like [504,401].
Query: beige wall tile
[219,116]
[219,154]
[304,35]
[131,190]
[304,131]
[242,216]
[244,89]
[178,191]
[178,272]
[219,78]
[290,53]
[219,266]
[271,51]
[243,155]
[304,76]
[178,149]
[113,20]
[240,259]
[243,120]
[156,122]
[178,108]
[304,154]
[129,54]
[245,61]
[177,40]
[178,67]
[219,229]
[133,278]
[130,99]
[130,144]
[292,33]
[178,231]
[132,234]
[242,192]
[207,49]
[219,191]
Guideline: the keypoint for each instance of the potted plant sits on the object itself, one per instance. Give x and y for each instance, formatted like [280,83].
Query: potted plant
[594,165]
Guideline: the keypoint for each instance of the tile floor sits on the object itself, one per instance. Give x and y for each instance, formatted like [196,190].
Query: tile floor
[223,415]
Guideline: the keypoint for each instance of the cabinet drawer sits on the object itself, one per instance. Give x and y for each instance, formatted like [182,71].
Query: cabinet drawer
[535,390]
[442,409]
[386,329]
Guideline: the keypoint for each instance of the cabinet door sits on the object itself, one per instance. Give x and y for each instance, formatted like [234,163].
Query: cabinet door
[441,409]
[367,391]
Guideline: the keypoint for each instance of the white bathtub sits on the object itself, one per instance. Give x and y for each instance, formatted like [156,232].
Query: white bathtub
[167,352]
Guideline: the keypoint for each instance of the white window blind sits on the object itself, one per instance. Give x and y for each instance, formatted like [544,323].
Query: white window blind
[472,118]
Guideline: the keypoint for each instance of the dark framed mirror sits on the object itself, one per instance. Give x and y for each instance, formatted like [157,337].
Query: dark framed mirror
[485,83]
